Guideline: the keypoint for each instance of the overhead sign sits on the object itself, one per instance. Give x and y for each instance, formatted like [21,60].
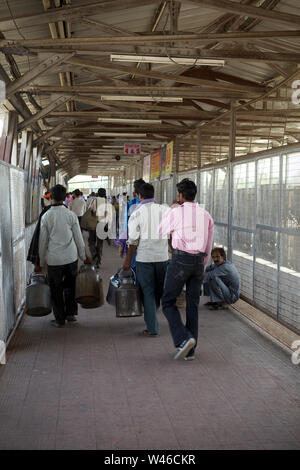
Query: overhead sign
[94,176]
[132,149]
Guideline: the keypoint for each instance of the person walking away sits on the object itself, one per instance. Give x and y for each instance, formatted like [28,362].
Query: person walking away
[104,213]
[221,281]
[60,245]
[121,241]
[78,205]
[151,254]
[115,204]
[191,229]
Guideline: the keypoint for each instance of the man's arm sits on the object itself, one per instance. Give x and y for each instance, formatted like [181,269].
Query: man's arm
[128,258]
[133,239]
[43,243]
[166,226]
[210,237]
[79,241]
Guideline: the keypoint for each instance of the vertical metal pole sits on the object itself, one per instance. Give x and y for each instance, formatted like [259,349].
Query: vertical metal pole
[279,234]
[176,166]
[254,234]
[198,163]
[231,157]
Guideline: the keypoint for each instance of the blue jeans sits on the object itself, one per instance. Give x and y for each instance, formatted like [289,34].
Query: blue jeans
[150,277]
[183,269]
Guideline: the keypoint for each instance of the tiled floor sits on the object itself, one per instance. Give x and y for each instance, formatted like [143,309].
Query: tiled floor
[98,384]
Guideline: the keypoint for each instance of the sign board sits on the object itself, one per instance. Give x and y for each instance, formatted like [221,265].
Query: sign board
[169,158]
[166,160]
[146,168]
[155,164]
[94,176]
[132,149]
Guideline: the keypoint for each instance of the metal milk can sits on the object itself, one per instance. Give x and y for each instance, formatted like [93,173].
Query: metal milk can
[100,299]
[38,296]
[87,285]
[128,296]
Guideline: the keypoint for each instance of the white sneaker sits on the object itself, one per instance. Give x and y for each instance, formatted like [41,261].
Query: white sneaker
[189,358]
[185,348]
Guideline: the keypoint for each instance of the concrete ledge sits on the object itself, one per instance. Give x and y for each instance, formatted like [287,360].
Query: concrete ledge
[273,328]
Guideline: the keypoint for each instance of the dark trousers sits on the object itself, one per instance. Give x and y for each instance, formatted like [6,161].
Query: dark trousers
[150,277]
[62,285]
[95,246]
[183,269]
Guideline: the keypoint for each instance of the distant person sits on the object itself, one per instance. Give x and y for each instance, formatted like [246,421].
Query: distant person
[78,205]
[221,281]
[191,230]
[60,246]
[45,200]
[104,213]
[121,241]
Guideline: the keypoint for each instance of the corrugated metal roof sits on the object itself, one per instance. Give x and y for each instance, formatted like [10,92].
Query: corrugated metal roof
[140,19]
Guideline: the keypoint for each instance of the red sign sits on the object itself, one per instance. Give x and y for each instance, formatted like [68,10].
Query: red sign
[94,176]
[132,149]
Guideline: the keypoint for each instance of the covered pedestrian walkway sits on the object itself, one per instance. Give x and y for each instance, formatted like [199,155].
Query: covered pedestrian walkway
[210,93]
[99,384]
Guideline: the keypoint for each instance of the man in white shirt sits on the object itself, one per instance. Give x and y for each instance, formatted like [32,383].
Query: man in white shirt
[104,213]
[60,245]
[78,205]
[151,256]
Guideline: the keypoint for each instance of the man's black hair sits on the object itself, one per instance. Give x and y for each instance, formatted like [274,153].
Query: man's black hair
[146,190]
[58,192]
[102,192]
[220,250]
[77,192]
[187,188]
[137,184]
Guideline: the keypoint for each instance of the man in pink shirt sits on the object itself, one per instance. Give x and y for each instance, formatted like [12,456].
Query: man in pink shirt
[191,229]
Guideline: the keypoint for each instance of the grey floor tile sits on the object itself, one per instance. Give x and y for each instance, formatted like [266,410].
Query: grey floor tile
[99,384]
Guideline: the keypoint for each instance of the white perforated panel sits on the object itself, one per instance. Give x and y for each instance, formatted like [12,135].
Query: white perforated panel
[17,203]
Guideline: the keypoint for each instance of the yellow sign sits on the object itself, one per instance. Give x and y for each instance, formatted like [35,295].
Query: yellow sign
[166,160]
[155,164]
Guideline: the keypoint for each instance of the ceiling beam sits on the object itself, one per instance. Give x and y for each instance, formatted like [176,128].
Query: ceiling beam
[159,76]
[39,115]
[35,72]
[248,10]
[144,39]
[70,13]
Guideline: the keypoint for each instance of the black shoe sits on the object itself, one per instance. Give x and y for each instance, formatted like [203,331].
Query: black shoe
[71,318]
[210,303]
[185,348]
[217,306]
[56,324]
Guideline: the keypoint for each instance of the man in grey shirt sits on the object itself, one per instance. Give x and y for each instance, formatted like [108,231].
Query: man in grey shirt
[60,245]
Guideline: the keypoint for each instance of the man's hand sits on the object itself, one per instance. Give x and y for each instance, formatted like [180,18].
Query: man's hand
[88,260]
[126,265]
[37,269]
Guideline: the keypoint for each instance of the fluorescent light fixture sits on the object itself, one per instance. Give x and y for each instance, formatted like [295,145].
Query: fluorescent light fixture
[133,121]
[112,146]
[117,134]
[166,60]
[173,99]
